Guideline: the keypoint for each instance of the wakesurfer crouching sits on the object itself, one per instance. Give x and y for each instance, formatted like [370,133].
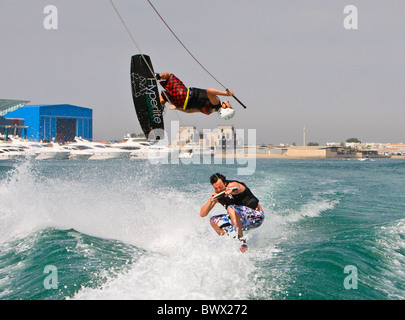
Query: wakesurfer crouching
[244,211]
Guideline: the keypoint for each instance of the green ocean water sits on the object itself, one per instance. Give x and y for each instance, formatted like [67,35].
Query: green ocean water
[334,229]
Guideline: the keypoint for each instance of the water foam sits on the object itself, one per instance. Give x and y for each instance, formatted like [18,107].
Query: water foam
[18,201]
[391,245]
[133,203]
[184,257]
[196,270]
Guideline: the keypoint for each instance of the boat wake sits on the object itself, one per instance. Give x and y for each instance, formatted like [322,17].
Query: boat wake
[132,230]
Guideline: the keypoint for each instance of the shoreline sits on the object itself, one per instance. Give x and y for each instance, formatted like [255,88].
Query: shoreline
[304,153]
[277,156]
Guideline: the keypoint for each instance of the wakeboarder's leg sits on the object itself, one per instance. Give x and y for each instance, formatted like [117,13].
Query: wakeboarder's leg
[236,221]
[217,228]
[163,76]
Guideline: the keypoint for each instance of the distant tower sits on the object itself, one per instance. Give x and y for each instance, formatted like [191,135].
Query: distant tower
[304,131]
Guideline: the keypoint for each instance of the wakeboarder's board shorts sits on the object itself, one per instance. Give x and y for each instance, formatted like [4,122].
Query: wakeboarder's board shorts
[250,218]
[181,97]
[176,91]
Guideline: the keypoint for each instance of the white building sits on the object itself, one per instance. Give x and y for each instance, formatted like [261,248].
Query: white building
[220,140]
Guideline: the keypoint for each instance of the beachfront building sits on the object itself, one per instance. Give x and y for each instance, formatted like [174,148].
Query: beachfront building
[185,135]
[12,126]
[366,145]
[315,152]
[395,149]
[335,144]
[60,122]
[225,140]
[220,140]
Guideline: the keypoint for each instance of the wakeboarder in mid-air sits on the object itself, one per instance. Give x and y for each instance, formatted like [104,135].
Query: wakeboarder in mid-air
[244,211]
[192,100]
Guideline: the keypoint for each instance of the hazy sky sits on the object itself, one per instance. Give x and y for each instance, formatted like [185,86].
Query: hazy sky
[292,62]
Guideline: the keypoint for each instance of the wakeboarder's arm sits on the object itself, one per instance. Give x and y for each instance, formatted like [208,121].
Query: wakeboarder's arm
[173,107]
[213,94]
[206,208]
[240,188]
[162,99]
[216,92]
[234,188]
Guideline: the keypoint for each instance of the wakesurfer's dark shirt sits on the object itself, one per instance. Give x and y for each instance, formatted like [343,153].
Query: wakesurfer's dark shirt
[245,198]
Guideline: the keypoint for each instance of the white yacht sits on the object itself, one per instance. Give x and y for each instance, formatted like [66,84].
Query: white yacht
[193,149]
[74,153]
[158,152]
[186,154]
[100,151]
[39,150]
[48,152]
[139,148]
[11,153]
[3,154]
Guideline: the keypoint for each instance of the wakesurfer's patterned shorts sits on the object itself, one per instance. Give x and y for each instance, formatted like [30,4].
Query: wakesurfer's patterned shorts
[250,218]
[176,91]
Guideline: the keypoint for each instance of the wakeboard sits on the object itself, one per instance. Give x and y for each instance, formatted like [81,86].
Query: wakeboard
[145,94]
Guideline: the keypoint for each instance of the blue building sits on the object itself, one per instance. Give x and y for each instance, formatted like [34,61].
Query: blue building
[62,122]
[11,126]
